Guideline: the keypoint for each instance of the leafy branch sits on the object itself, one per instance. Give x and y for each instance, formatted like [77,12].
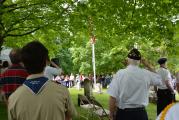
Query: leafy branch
[23,34]
[133,12]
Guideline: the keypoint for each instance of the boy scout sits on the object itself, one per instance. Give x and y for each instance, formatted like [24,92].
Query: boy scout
[39,98]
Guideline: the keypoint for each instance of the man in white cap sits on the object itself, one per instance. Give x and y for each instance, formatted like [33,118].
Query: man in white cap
[129,89]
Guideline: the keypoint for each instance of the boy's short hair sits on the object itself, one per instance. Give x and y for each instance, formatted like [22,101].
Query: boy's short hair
[34,56]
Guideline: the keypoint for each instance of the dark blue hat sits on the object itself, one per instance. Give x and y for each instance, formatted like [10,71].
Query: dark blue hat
[134,54]
[162,60]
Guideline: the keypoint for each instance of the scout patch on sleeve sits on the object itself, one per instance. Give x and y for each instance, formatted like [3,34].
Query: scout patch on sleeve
[36,85]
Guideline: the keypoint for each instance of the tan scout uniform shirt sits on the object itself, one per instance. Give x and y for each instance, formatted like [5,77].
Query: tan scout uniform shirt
[50,104]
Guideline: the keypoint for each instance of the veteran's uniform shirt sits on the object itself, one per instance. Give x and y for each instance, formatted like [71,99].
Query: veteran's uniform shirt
[50,103]
[165,75]
[130,86]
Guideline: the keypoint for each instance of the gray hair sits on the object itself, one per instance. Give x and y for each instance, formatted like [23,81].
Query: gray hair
[133,62]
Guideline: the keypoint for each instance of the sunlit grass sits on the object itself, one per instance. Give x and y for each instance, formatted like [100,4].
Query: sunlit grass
[103,99]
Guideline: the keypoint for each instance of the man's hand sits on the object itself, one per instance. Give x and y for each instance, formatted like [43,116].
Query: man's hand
[148,65]
[55,65]
[145,62]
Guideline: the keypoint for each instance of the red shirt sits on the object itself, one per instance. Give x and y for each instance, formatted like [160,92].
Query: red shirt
[12,78]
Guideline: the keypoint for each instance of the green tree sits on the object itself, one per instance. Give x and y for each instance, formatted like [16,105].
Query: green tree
[118,25]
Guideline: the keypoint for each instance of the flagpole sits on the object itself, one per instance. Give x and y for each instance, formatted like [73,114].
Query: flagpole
[93,60]
[93,40]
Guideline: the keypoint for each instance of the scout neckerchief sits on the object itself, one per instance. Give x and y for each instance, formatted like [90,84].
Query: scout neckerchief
[36,85]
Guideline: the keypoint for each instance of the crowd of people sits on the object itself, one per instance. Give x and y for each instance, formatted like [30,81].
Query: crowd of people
[35,87]
[78,80]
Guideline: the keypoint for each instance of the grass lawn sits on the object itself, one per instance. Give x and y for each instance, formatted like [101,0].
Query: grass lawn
[102,98]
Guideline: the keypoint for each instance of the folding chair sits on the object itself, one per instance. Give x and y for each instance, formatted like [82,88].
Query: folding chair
[93,107]
[99,110]
[85,103]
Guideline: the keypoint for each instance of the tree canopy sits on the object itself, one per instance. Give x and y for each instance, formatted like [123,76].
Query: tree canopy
[66,26]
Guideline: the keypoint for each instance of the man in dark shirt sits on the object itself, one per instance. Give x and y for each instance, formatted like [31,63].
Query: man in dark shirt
[14,76]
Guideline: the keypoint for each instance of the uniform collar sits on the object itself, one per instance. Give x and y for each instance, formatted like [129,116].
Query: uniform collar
[163,67]
[132,66]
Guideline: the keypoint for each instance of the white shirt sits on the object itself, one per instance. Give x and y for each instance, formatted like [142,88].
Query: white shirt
[72,77]
[165,75]
[51,71]
[172,113]
[130,86]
